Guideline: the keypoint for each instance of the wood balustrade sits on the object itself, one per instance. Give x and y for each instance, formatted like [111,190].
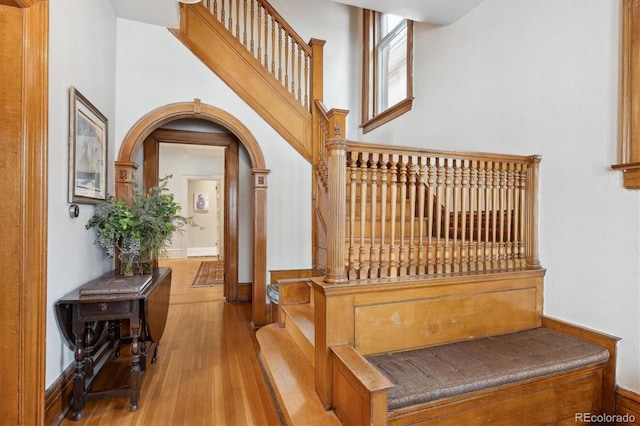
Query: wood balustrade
[271,41]
[398,212]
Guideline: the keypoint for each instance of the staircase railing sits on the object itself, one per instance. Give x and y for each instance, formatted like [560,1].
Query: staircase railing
[403,212]
[272,42]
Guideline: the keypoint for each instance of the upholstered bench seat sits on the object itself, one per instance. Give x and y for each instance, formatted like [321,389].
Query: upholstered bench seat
[431,373]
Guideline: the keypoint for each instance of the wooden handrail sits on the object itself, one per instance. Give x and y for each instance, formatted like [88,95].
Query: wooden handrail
[397,149]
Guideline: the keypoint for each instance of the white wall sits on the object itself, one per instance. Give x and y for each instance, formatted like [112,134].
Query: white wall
[186,164]
[82,53]
[541,77]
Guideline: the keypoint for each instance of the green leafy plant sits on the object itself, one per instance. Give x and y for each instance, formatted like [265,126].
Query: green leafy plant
[140,231]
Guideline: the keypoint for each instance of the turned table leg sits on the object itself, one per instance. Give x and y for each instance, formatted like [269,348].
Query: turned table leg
[136,371]
[77,403]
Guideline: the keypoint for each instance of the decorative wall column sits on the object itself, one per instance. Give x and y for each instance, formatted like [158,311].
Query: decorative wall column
[533,177]
[125,177]
[337,192]
[259,314]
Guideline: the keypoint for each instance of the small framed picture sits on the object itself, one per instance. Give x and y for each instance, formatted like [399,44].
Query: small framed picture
[88,130]
[200,203]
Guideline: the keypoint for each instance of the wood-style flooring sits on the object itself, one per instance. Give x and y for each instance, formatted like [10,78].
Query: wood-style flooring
[207,372]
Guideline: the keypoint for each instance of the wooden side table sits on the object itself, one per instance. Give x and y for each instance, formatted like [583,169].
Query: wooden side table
[91,324]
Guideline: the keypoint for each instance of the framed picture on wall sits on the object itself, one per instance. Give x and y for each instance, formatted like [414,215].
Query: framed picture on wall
[200,203]
[88,130]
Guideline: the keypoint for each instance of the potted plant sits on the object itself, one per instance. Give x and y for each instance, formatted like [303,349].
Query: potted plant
[140,231]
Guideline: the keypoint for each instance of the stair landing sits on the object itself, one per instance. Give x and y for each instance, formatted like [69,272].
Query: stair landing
[292,379]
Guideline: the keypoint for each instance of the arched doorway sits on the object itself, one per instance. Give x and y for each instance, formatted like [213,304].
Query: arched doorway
[125,167]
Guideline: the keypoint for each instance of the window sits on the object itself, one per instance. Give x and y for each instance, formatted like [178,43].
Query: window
[387,90]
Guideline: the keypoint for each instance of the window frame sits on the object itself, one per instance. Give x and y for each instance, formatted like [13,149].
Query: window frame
[372,119]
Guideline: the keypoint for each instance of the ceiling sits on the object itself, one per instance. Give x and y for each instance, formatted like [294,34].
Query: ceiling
[438,12]
[164,13]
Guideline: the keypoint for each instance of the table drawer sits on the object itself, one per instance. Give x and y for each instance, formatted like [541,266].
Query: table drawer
[105,309]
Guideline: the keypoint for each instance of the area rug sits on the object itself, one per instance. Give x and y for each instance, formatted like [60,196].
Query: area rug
[210,273]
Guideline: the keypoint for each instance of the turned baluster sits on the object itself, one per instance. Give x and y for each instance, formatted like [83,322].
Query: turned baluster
[473,216]
[422,176]
[510,216]
[465,216]
[373,249]
[273,45]
[411,215]
[402,268]
[244,26]
[430,215]
[439,215]
[447,216]
[480,255]
[286,61]
[457,178]
[280,78]
[362,258]
[502,261]
[393,264]
[489,228]
[259,31]
[352,216]
[384,169]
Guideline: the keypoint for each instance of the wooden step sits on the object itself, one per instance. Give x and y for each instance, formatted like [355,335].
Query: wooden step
[298,321]
[292,379]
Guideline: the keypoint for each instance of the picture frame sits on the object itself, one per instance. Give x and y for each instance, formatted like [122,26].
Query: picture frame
[88,150]
[201,203]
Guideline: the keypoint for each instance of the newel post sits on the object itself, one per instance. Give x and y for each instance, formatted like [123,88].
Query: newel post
[533,182]
[337,192]
[317,65]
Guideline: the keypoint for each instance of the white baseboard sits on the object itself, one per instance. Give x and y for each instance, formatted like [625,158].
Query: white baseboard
[174,254]
[202,251]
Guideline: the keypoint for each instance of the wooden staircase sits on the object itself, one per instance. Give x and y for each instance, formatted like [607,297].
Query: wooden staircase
[255,52]
[287,354]
[381,213]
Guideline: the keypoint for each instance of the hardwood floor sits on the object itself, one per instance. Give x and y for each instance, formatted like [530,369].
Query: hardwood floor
[207,372]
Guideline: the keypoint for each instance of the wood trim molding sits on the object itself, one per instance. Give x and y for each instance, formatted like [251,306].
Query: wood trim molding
[602,339]
[387,115]
[628,406]
[629,116]
[135,138]
[23,248]
[23,4]
[58,397]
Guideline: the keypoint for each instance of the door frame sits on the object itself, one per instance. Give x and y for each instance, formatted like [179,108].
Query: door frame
[23,244]
[126,166]
[230,142]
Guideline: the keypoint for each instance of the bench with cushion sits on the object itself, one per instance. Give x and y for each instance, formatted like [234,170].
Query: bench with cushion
[467,349]
[429,374]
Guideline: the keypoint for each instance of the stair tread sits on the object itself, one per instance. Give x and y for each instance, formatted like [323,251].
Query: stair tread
[302,315]
[292,378]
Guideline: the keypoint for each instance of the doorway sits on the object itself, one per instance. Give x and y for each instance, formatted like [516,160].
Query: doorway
[193,158]
[125,177]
